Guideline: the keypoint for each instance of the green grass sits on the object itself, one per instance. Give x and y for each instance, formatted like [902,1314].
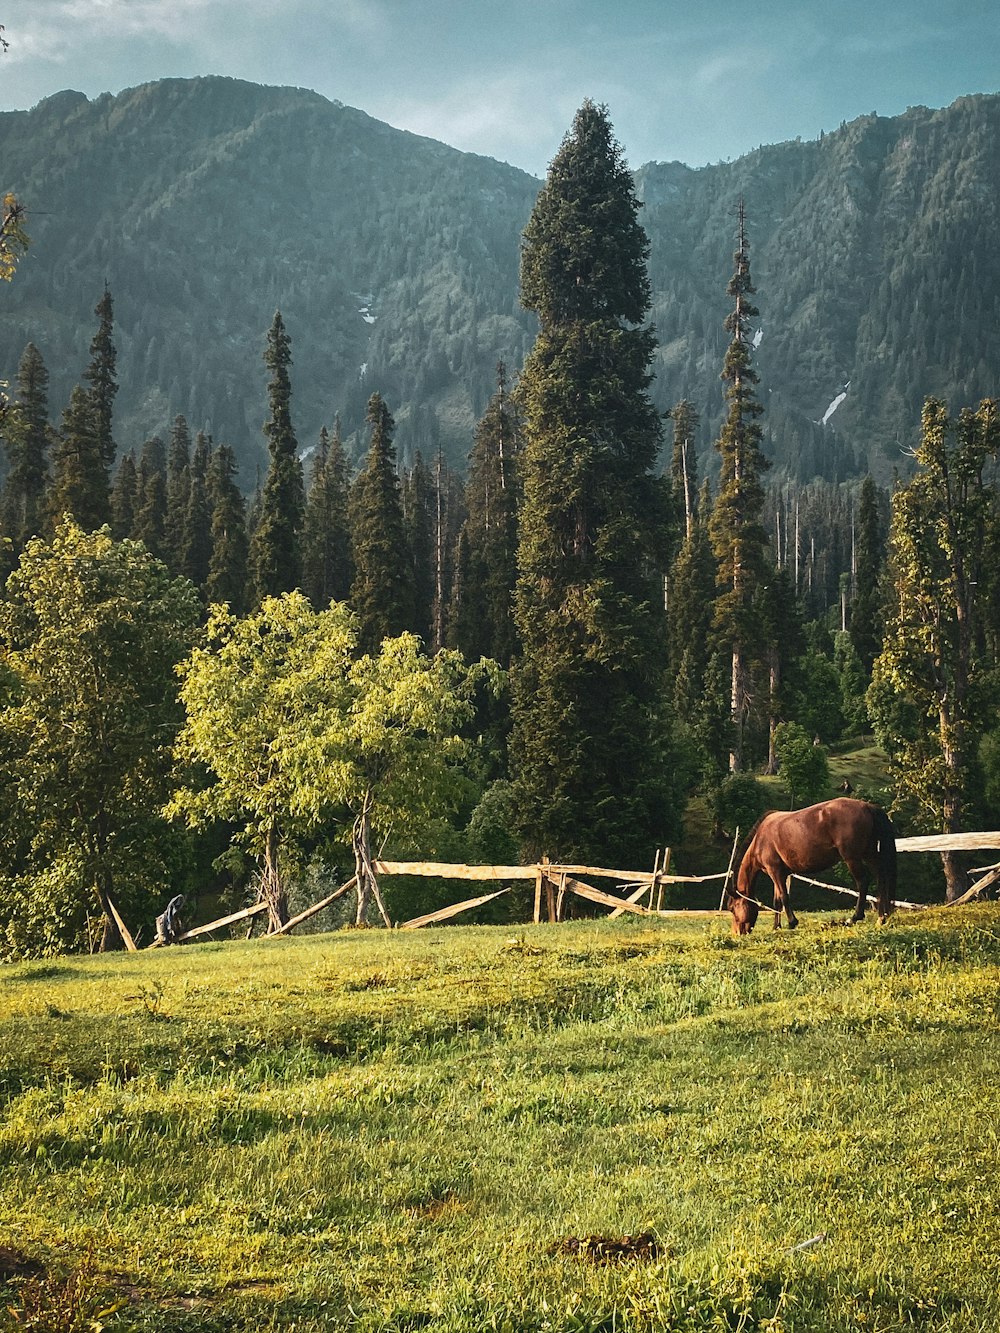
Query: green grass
[383,1131]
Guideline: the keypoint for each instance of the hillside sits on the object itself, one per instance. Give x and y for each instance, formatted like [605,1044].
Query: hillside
[390,1132]
[207,203]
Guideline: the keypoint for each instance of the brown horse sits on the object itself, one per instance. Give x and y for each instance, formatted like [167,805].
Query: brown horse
[795,842]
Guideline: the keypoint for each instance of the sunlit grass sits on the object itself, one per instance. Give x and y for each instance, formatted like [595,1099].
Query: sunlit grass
[390,1131]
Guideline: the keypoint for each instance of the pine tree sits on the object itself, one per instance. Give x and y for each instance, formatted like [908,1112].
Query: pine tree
[178,492]
[124,498]
[588,740]
[79,471]
[196,545]
[866,621]
[382,590]
[418,497]
[684,464]
[151,500]
[326,546]
[227,571]
[100,374]
[483,608]
[275,548]
[27,434]
[738,538]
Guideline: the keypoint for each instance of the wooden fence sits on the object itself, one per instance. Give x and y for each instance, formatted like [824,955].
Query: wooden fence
[553,881]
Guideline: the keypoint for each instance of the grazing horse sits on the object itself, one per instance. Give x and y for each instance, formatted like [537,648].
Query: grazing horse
[795,842]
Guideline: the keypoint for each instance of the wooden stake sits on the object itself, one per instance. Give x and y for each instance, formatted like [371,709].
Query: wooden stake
[729,869]
[130,944]
[316,907]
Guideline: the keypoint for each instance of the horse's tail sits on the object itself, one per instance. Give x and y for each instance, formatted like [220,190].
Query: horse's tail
[886,836]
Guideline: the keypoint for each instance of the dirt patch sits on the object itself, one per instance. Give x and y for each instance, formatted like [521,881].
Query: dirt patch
[15,1263]
[609,1249]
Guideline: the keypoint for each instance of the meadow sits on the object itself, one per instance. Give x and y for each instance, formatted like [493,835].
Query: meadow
[393,1131]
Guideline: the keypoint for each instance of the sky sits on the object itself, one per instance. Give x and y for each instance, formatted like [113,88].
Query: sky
[696,81]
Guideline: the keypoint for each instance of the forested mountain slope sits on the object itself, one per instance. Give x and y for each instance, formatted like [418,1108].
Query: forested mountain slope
[206,204]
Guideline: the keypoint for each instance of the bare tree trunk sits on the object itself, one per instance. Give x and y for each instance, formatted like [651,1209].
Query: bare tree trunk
[364,867]
[271,882]
[740,707]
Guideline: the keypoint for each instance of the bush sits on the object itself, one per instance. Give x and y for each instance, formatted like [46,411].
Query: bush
[801,763]
[739,802]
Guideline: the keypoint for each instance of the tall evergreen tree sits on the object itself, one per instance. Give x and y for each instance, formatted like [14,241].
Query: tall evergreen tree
[178,492]
[27,434]
[483,608]
[866,621]
[196,545]
[738,537]
[227,571]
[419,512]
[275,548]
[124,498]
[588,740]
[326,545]
[79,472]
[100,375]
[382,590]
[684,464]
[151,499]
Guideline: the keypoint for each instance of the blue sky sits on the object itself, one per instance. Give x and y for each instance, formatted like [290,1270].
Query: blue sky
[698,82]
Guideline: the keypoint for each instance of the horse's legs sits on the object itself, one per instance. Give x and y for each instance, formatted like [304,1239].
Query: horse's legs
[782,897]
[862,878]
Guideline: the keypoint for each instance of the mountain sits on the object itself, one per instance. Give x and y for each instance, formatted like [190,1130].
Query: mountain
[208,203]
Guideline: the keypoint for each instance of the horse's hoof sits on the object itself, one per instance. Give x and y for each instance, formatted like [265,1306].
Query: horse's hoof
[794,923]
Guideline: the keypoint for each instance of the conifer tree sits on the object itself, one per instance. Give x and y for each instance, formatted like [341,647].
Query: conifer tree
[588,742]
[151,498]
[418,498]
[483,606]
[738,537]
[382,590]
[227,571]
[178,491]
[275,548]
[27,434]
[326,547]
[865,623]
[684,464]
[196,544]
[79,472]
[124,498]
[100,374]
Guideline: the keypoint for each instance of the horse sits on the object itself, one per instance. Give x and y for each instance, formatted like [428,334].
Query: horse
[794,842]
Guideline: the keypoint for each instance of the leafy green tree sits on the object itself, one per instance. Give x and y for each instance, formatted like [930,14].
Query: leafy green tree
[27,434]
[80,485]
[297,733]
[382,590]
[738,537]
[227,569]
[590,743]
[802,764]
[91,632]
[326,543]
[275,546]
[853,685]
[13,237]
[818,702]
[933,663]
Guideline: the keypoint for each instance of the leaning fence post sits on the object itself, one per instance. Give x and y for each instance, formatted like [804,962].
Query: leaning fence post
[729,868]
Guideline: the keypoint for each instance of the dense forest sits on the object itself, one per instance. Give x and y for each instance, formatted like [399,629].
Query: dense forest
[544,641]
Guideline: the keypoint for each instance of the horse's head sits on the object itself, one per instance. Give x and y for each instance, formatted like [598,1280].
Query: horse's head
[744,913]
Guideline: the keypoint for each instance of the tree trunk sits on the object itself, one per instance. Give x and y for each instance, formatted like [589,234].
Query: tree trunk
[272,885]
[740,705]
[774,677]
[362,861]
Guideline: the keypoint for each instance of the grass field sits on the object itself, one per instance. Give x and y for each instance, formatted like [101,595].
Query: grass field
[378,1131]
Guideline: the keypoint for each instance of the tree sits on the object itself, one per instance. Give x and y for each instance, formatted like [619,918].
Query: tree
[196,541]
[91,631]
[124,498]
[684,464]
[780,620]
[326,545]
[382,590]
[151,497]
[227,570]
[80,485]
[297,733]
[100,374]
[417,498]
[589,737]
[802,764]
[27,434]
[930,698]
[865,623]
[482,617]
[13,237]
[275,547]
[178,490]
[738,537]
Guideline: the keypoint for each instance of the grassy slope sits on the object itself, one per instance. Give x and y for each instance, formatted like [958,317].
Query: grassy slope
[387,1131]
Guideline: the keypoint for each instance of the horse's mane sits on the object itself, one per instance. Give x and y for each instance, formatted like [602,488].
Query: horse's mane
[744,846]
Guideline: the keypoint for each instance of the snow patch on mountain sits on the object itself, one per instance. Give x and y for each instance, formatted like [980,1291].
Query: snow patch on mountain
[835,404]
[758,337]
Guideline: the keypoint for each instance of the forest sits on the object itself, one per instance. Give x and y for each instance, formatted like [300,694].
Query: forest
[549,651]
